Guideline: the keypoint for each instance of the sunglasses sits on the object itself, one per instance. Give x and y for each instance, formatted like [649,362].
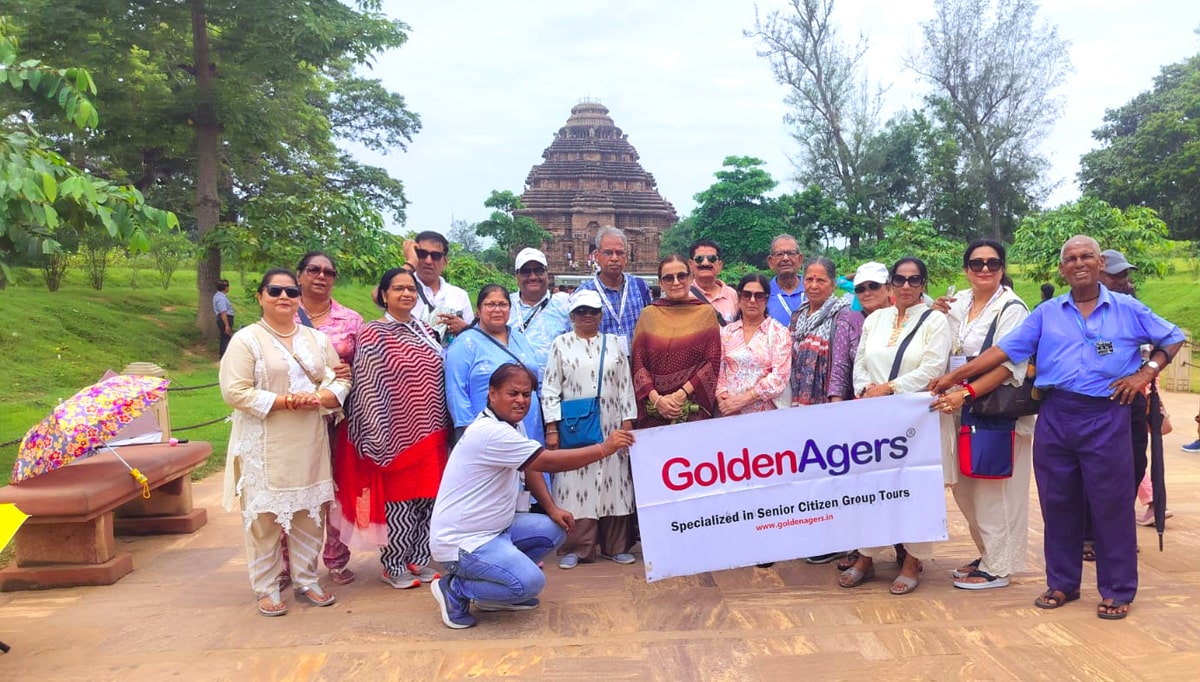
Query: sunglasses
[913,281]
[274,290]
[673,278]
[528,272]
[759,296]
[584,310]
[314,270]
[437,256]
[978,264]
[873,286]
[711,258]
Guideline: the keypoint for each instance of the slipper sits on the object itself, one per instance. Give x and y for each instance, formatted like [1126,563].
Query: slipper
[849,560]
[313,595]
[341,576]
[903,585]
[271,605]
[960,573]
[1089,551]
[1106,609]
[1053,599]
[989,581]
[852,577]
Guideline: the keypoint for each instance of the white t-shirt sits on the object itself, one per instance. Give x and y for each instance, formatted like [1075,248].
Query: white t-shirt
[448,299]
[477,499]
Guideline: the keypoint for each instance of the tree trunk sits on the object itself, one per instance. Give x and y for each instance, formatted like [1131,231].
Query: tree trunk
[208,203]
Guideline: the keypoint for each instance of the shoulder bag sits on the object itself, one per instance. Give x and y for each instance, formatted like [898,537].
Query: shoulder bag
[580,424]
[985,446]
[904,346]
[1007,401]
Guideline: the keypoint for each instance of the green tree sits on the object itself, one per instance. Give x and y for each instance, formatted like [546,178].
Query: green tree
[736,212]
[1149,151]
[511,230]
[1137,232]
[678,238]
[465,235]
[918,238]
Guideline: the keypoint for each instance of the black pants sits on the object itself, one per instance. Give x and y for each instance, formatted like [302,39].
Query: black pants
[224,338]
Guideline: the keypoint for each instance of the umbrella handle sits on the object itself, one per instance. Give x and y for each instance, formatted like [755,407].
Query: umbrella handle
[141,478]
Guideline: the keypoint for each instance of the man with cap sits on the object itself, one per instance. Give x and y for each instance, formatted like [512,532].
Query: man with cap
[537,314]
[1116,272]
[787,287]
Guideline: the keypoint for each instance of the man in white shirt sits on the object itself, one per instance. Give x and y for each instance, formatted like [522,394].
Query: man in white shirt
[440,304]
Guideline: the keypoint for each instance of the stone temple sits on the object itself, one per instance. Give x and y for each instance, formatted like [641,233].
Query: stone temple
[591,178]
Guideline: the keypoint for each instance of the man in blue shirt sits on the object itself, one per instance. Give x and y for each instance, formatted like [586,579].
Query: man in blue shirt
[1090,368]
[787,287]
[623,296]
[537,314]
[224,312]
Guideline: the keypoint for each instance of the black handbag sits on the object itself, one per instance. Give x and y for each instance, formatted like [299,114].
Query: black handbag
[1007,401]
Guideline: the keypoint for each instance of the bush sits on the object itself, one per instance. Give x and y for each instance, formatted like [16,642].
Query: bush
[169,251]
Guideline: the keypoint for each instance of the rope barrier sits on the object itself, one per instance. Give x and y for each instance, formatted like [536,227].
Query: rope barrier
[192,388]
[10,442]
[196,426]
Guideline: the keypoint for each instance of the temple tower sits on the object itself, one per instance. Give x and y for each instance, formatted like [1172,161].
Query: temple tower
[591,178]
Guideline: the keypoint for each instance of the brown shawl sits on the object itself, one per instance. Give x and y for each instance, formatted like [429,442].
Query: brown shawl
[676,342]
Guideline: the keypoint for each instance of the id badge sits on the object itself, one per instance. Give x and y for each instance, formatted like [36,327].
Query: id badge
[1104,348]
[957,361]
[625,346]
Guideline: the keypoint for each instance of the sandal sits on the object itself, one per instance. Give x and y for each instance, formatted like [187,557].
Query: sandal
[981,580]
[901,554]
[1089,551]
[341,576]
[1111,609]
[852,577]
[271,605]
[1053,599]
[966,570]
[903,585]
[315,596]
[849,560]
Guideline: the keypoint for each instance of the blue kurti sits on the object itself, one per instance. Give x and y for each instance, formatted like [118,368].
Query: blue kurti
[470,361]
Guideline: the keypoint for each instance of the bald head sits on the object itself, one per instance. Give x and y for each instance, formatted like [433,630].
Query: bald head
[1079,240]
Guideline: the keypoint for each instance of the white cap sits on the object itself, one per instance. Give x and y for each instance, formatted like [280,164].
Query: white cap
[871,272]
[584,298]
[530,254]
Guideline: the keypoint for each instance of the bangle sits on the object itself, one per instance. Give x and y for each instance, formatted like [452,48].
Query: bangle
[970,391]
[967,396]
[287,401]
[892,387]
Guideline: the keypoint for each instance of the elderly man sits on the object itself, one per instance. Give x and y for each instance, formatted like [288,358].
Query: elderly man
[787,287]
[224,312]
[706,284]
[442,305]
[1090,367]
[623,296]
[535,312]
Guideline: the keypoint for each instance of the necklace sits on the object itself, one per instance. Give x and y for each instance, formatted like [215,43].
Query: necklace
[323,313]
[1087,300]
[295,328]
[897,328]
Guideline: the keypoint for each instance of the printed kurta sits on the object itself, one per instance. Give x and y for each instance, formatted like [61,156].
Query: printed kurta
[603,488]
[762,364]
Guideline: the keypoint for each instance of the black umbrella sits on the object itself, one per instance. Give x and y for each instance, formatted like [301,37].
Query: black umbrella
[1157,477]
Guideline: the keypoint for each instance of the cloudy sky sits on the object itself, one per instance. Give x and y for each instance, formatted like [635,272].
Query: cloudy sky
[493,82]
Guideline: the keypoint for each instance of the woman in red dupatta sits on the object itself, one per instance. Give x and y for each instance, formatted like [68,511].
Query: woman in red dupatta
[389,468]
[676,352]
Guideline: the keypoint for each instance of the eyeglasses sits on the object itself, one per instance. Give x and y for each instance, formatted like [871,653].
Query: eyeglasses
[710,257]
[529,272]
[790,252]
[584,310]
[978,264]
[437,256]
[873,286]
[495,305]
[673,278]
[759,296]
[401,288]
[613,253]
[913,281]
[274,290]
[314,270]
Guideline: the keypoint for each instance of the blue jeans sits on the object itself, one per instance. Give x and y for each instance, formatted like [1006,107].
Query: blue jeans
[505,568]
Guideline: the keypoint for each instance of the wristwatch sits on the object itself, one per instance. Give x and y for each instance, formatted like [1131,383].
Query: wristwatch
[967,397]
[1152,365]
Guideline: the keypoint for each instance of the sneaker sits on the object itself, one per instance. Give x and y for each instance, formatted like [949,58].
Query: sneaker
[456,612]
[424,573]
[568,561]
[1193,446]
[824,558]
[624,558]
[527,605]
[403,581]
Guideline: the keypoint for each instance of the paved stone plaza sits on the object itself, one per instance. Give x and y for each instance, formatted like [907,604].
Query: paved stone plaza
[187,613]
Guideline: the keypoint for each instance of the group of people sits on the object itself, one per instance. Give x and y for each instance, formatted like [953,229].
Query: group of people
[540,396]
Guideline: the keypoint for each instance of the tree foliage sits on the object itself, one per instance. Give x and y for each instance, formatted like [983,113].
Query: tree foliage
[1137,232]
[919,238]
[1149,151]
[736,212]
[511,230]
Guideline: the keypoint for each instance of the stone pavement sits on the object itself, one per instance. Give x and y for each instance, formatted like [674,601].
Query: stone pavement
[186,613]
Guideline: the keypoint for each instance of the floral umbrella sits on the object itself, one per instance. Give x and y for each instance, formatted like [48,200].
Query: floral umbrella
[84,422]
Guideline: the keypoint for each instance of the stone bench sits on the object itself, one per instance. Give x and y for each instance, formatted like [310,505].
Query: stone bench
[76,510]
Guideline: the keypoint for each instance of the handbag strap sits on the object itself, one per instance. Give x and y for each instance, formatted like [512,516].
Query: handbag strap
[991,334]
[305,319]
[696,291]
[499,345]
[904,346]
[600,372]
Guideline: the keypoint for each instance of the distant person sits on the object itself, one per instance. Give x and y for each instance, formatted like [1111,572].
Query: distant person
[1047,292]
[223,309]
[787,290]
[707,285]
[442,305]
[622,295]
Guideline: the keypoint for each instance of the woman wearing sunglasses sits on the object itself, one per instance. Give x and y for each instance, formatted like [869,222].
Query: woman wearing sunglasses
[923,335]
[756,354]
[997,510]
[676,352]
[599,495]
[278,376]
[817,326]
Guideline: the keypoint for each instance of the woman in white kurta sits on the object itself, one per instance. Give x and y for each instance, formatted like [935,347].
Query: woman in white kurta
[924,359]
[277,375]
[600,495]
[997,510]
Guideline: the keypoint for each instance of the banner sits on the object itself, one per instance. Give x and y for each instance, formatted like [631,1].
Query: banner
[770,486]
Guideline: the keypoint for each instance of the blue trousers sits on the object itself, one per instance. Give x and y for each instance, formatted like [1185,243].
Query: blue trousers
[1083,462]
[505,568]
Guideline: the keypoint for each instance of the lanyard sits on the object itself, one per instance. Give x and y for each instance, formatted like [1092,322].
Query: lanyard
[536,309]
[964,329]
[601,289]
[783,303]
[1083,328]
[419,329]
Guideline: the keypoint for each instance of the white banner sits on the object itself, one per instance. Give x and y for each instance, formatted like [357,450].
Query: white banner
[784,484]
